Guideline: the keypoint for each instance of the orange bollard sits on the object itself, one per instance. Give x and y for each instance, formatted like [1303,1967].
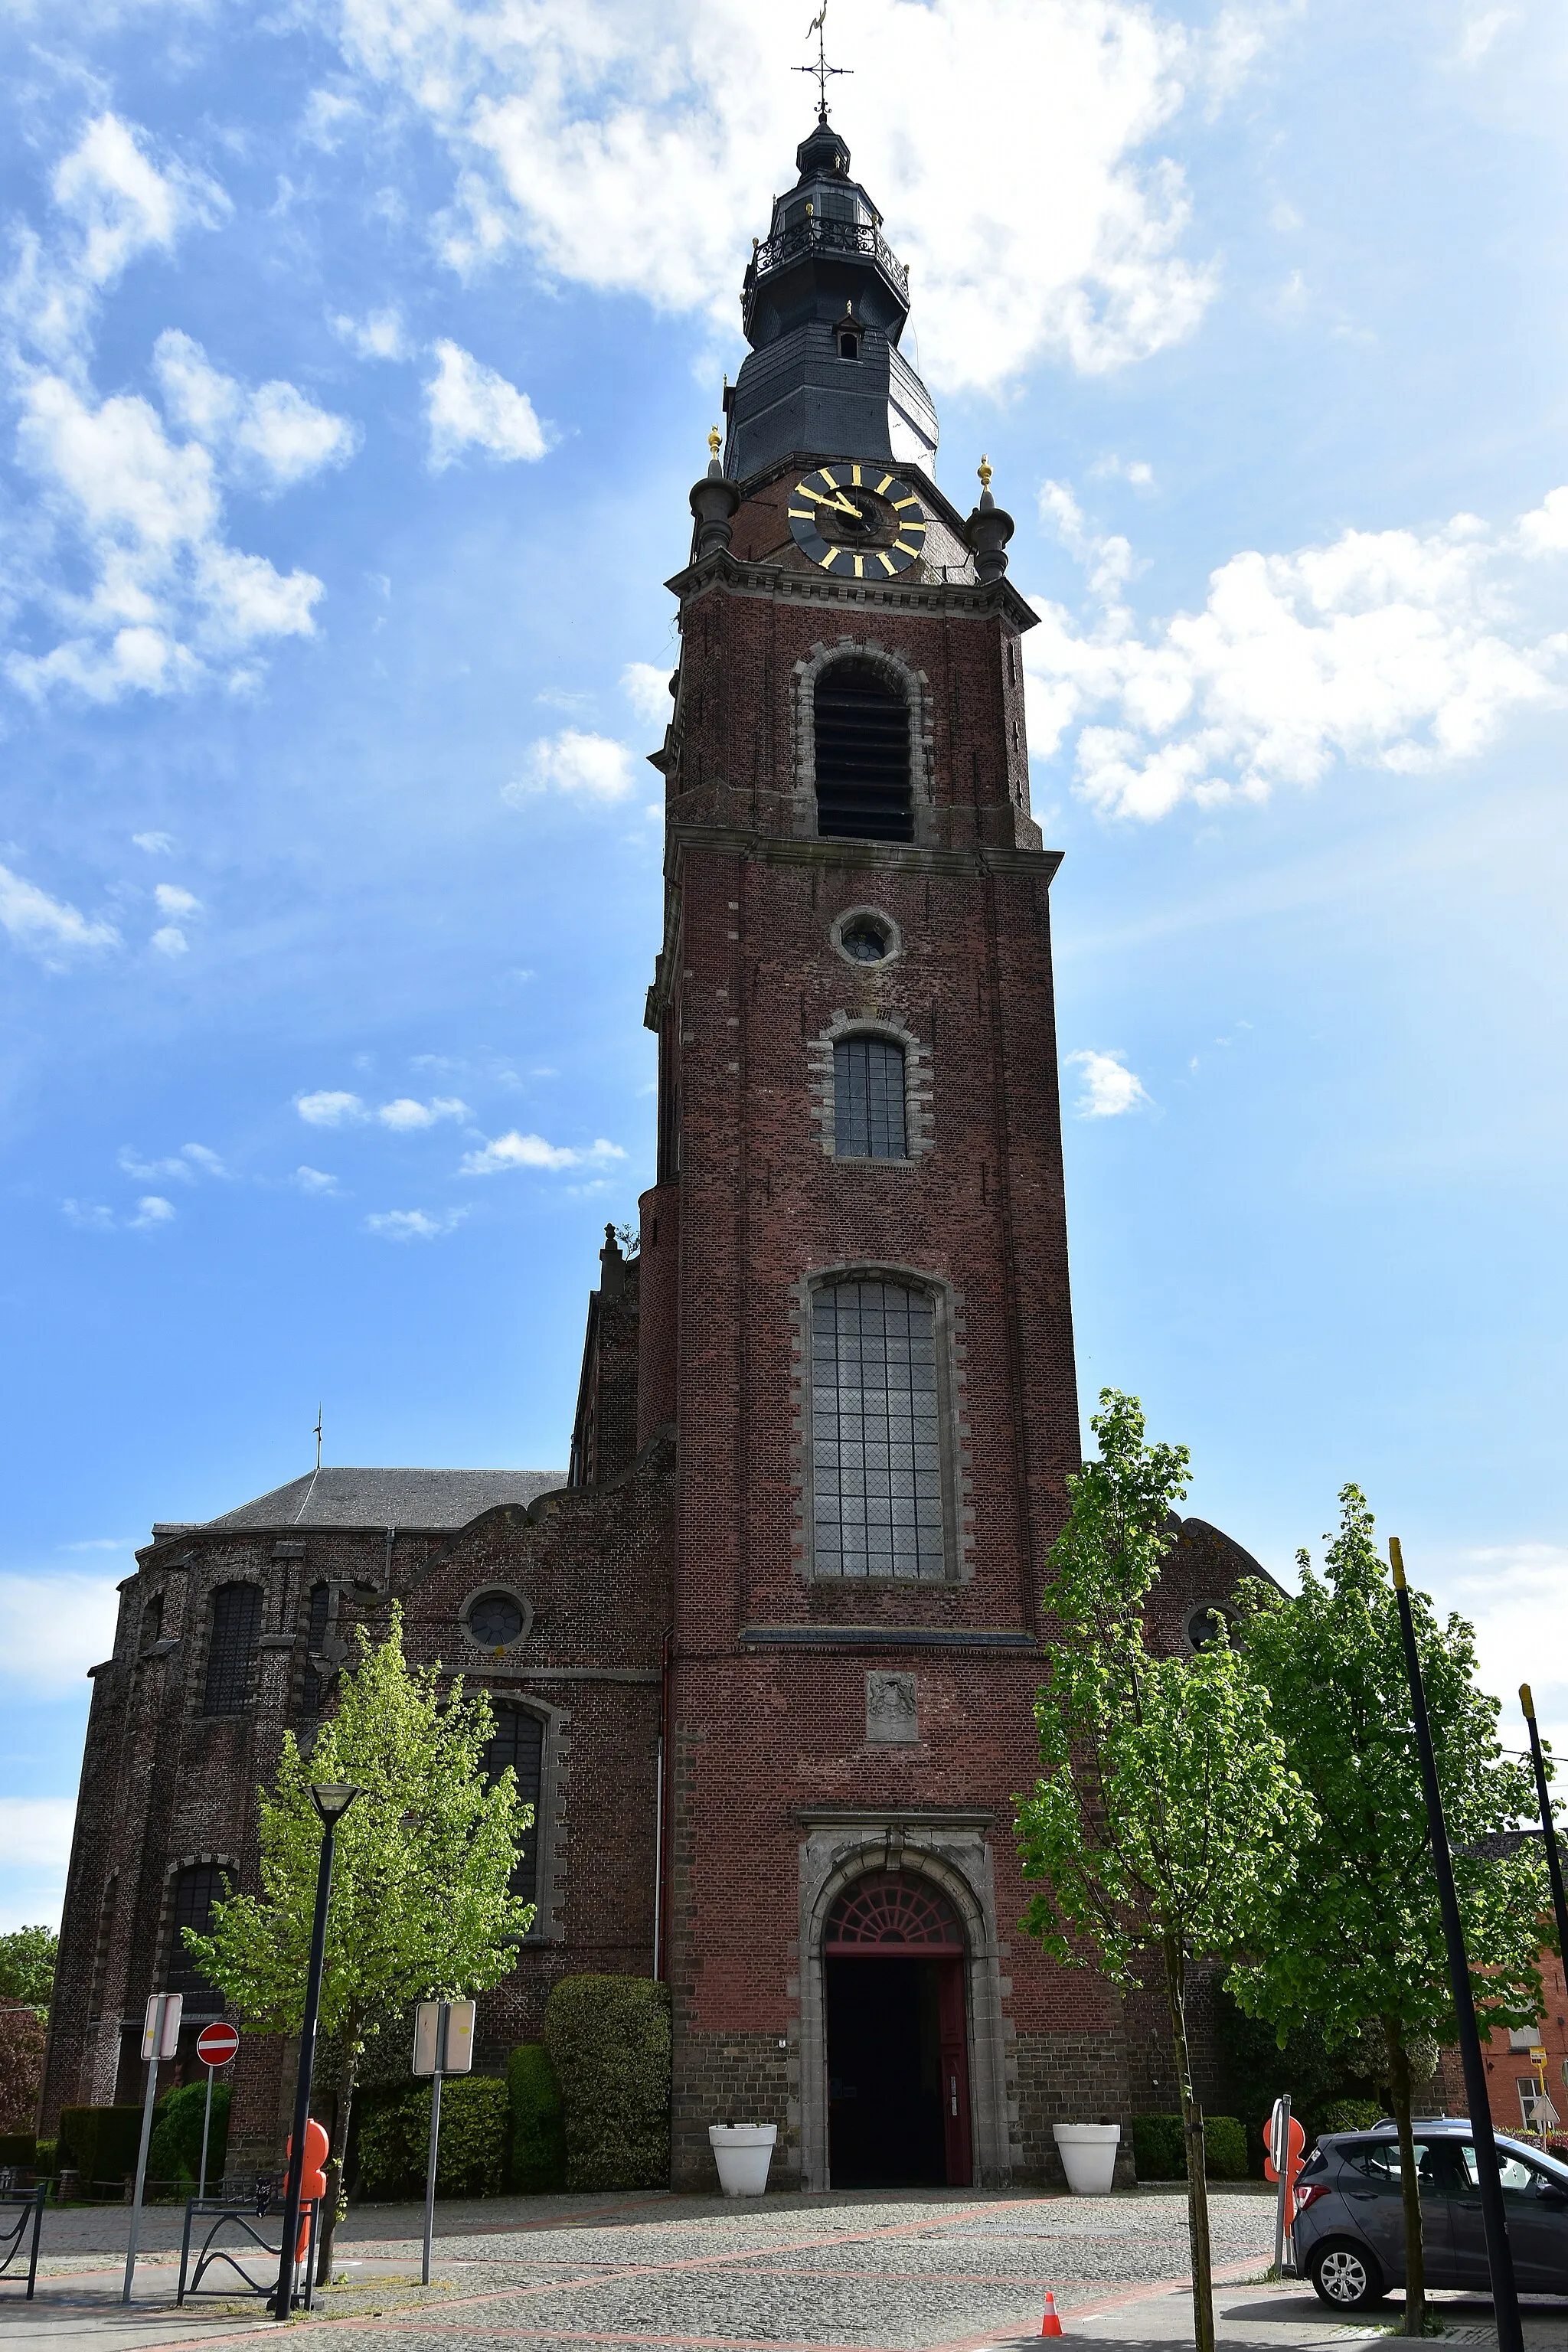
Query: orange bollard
[313,2181]
[1050,2324]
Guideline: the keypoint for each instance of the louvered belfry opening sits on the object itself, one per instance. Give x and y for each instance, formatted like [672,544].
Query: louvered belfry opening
[862,727]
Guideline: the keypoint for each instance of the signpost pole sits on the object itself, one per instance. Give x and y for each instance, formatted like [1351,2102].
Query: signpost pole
[443,2019]
[206,2129]
[216,2045]
[1280,2149]
[159,2036]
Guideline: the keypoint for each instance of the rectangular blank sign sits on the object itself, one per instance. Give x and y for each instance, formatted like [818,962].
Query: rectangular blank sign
[459,2058]
[169,2041]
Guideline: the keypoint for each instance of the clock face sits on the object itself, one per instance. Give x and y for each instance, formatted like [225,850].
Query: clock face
[859,521]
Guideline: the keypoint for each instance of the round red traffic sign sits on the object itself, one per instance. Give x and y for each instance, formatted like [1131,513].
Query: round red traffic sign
[215,2044]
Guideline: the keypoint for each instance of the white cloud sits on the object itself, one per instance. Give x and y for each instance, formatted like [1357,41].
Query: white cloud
[573,761]
[314,1180]
[48,927]
[646,688]
[168,598]
[1108,1087]
[627,146]
[156,845]
[56,1627]
[380,335]
[330,1108]
[36,1831]
[404,1113]
[1397,650]
[150,1213]
[1516,1596]
[120,200]
[514,1151]
[192,1157]
[413,1224]
[172,900]
[270,438]
[1480,29]
[1135,470]
[127,568]
[470,407]
[170,940]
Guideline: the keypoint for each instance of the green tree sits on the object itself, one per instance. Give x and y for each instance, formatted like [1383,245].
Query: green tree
[1166,1817]
[27,1956]
[422,1904]
[1356,1936]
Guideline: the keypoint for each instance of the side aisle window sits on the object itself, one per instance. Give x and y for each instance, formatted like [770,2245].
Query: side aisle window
[519,1741]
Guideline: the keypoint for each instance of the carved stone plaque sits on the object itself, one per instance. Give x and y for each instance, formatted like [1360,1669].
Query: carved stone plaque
[892,1718]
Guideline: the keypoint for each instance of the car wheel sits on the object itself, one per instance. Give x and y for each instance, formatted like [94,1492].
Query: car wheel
[1345,2277]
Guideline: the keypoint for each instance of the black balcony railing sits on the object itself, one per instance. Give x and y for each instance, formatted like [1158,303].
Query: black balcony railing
[821,233]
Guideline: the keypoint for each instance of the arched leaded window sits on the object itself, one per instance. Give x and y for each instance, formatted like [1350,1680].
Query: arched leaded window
[878,1506]
[861,723]
[890,1911]
[868,1099]
[198,1886]
[231,1648]
[519,1740]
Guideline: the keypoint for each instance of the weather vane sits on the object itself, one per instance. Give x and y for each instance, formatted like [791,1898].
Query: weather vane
[318,1436]
[822,69]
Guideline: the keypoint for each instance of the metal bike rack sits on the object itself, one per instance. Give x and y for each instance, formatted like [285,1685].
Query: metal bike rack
[242,2220]
[25,2203]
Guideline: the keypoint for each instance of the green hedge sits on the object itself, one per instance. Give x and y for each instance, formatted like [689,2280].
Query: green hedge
[44,2160]
[1157,2149]
[538,2134]
[175,2151]
[99,2142]
[609,2044]
[1353,2115]
[395,2140]
[19,2148]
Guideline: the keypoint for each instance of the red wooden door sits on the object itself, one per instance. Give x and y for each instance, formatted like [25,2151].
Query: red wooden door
[953,2028]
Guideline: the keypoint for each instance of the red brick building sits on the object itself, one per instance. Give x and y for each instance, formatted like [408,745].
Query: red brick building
[766,1657]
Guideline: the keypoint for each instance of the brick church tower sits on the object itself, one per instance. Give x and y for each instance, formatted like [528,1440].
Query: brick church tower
[854,1301]
[764,1660]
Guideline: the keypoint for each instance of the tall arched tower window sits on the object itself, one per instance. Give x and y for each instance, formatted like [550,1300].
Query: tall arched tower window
[231,1648]
[198,1886]
[861,724]
[878,1507]
[519,1740]
[868,1099]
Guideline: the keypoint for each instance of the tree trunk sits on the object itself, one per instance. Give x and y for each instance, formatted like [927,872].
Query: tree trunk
[342,2108]
[1414,2263]
[1193,2141]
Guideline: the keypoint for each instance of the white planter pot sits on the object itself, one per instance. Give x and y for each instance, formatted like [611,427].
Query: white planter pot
[743,2153]
[1088,2153]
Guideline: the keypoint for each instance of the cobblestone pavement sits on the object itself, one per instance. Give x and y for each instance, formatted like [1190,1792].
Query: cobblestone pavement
[911,2272]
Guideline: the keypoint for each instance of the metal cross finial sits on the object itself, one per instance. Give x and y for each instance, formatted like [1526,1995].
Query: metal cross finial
[318,1437]
[822,69]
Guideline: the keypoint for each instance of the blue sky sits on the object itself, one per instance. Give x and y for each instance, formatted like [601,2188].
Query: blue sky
[357,357]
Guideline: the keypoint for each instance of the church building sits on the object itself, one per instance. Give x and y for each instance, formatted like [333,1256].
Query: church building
[764,1655]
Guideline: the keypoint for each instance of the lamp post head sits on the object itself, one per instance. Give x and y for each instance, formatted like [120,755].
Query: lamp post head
[333,1801]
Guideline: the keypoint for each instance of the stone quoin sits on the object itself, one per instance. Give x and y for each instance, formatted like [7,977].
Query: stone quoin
[786,1597]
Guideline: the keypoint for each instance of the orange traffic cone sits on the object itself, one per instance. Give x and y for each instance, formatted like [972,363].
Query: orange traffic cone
[1050,2324]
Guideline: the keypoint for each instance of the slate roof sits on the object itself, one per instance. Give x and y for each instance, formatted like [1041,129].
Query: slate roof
[432,1499]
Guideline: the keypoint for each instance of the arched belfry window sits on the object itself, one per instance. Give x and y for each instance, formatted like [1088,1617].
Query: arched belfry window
[519,1740]
[868,1099]
[231,1648]
[878,1505]
[861,723]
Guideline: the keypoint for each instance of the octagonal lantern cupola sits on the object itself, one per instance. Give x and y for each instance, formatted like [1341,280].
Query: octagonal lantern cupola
[824,304]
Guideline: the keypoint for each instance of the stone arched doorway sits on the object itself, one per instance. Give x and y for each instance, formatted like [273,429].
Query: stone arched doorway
[894,1966]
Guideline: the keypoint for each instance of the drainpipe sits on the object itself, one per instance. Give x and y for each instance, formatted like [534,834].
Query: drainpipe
[659,1770]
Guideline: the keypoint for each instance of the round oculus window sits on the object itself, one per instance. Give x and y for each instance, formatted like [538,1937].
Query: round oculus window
[495,1621]
[1203,1627]
[866,939]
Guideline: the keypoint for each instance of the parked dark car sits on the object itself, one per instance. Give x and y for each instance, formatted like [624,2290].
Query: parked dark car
[1350,2214]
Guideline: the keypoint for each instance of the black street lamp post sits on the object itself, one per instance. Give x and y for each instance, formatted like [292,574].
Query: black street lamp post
[1554,1860]
[1494,2214]
[332,1803]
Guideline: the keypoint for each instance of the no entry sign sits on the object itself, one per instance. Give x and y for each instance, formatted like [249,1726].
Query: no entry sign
[215,2044]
